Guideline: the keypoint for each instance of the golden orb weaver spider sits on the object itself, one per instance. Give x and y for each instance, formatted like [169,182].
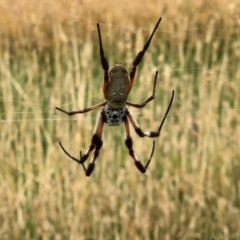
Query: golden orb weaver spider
[116,88]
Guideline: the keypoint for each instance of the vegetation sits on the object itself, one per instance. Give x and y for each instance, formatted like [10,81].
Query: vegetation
[49,57]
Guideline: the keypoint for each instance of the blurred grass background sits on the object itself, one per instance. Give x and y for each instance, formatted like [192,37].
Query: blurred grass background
[49,57]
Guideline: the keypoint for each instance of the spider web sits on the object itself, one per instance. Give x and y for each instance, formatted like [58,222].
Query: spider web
[35,108]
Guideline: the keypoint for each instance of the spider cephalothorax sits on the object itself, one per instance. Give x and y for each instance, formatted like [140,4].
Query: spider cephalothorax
[114,116]
[116,87]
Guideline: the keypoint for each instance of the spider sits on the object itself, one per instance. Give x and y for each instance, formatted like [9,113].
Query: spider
[116,88]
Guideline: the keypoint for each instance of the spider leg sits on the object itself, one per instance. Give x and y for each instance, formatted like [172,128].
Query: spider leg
[84,110]
[96,143]
[140,55]
[129,144]
[149,99]
[73,158]
[104,62]
[149,134]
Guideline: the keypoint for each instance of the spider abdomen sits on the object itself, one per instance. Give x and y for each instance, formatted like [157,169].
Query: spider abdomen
[118,86]
[114,117]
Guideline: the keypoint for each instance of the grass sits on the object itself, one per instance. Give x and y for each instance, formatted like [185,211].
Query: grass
[49,57]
